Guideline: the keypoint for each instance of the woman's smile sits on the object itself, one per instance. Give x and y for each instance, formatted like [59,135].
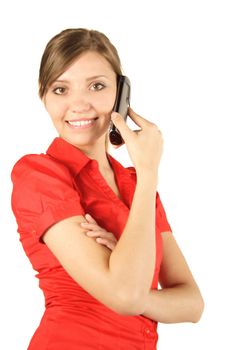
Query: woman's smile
[81,124]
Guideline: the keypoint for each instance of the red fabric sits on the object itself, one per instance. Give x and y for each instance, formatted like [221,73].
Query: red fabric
[62,183]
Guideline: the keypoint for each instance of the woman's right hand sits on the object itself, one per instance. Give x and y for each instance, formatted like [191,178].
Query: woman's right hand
[144,146]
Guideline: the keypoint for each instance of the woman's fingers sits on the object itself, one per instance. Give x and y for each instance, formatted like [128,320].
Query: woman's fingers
[102,236]
[105,238]
[108,243]
[139,120]
[91,223]
[89,218]
[121,125]
[90,226]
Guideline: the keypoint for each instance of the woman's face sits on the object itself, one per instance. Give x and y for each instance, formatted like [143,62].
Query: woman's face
[85,91]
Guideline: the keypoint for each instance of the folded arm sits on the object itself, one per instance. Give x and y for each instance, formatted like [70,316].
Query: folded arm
[117,279]
[180,299]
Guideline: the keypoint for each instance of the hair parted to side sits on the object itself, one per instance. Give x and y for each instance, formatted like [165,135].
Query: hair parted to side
[65,47]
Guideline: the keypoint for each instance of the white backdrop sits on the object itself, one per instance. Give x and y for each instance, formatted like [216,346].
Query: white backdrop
[178,55]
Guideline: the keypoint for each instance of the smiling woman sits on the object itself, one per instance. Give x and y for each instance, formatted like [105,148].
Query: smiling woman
[82,100]
[100,279]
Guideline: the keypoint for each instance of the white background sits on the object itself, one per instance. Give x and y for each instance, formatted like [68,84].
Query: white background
[178,55]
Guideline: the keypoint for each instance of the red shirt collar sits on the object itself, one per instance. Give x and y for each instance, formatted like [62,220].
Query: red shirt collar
[75,159]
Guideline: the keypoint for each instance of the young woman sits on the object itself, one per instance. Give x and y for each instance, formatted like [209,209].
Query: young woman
[95,231]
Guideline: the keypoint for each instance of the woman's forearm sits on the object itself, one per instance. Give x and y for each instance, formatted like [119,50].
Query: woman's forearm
[132,261]
[181,303]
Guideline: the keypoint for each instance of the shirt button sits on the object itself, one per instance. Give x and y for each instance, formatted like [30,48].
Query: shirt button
[149,333]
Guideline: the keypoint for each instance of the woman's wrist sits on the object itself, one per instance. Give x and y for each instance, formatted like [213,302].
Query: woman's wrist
[147,179]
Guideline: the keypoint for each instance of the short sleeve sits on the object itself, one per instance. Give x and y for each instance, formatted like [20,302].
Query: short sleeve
[43,194]
[161,217]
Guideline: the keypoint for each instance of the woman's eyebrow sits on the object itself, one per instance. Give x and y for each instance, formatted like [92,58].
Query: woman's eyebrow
[60,81]
[96,76]
[88,79]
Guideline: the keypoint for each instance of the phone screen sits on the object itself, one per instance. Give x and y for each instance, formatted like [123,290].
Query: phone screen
[121,106]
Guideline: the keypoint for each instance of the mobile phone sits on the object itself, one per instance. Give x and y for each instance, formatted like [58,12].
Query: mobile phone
[121,106]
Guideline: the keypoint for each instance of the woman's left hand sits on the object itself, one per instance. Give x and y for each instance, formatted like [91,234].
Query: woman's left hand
[102,236]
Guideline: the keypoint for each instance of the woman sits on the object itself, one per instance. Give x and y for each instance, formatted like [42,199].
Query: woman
[95,231]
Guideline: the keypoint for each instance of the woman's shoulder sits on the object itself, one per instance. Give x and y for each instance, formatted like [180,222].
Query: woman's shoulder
[31,164]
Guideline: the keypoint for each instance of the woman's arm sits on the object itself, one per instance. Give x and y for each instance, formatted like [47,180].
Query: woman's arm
[121,279]
[133,259]
[179,300]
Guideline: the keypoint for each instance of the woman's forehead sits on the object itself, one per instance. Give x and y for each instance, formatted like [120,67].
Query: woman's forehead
[87,66]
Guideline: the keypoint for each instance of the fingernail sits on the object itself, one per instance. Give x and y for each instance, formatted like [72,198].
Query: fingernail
[114,115]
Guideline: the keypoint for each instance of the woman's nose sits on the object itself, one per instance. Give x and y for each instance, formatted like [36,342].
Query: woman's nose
[79,104]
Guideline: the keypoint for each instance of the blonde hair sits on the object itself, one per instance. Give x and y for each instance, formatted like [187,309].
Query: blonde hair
[64,48]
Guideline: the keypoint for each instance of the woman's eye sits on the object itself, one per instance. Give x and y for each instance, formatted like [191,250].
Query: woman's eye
[59,90]
[97,86]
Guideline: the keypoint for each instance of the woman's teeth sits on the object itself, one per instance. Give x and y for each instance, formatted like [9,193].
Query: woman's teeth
[80,123]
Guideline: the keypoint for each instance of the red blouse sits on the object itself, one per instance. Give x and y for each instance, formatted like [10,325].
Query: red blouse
[62,183]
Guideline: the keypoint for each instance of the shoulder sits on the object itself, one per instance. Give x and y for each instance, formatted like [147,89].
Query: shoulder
[34,165]
[43,193]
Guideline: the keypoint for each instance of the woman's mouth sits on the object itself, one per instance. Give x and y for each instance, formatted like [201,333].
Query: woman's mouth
[81,124]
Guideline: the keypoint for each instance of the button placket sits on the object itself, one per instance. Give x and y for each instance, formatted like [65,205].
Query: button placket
[99,179]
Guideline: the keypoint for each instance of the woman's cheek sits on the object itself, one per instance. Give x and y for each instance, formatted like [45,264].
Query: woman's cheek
[55,109]
[106,103]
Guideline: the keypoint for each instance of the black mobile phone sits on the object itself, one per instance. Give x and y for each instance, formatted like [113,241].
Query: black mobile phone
[121,106]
